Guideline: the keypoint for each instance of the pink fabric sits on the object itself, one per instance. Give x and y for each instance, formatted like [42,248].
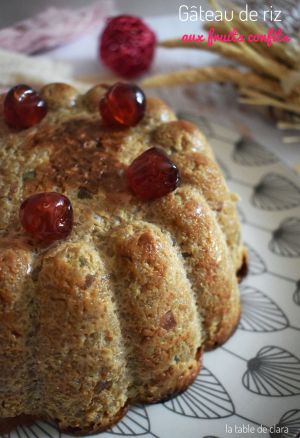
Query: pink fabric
[53,27]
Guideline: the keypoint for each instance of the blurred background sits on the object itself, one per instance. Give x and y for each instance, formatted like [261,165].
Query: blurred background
[59,40]
[14,10]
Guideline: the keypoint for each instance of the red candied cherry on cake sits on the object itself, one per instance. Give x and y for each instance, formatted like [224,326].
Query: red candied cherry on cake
[23,107]
[47,216]
[127,46]
[123,105]
[152,175]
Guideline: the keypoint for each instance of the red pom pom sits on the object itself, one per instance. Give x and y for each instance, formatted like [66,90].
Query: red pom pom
[127,46]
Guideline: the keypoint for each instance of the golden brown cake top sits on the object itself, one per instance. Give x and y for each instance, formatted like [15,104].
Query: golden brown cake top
[72,151]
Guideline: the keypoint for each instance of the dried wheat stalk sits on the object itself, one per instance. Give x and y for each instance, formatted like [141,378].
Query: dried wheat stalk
[273,76]
[239,52]
[215,74]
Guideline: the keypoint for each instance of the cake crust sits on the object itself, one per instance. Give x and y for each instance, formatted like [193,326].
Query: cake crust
[120,312]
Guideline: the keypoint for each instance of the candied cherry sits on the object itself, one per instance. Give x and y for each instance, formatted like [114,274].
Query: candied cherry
[152,175]
[123,105]
[47,216]
[23,107]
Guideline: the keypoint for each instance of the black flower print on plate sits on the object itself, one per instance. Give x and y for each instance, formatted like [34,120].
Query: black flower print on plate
[260,313]
[286,239]
[273,372]
[248,152]
[205,398]
[257,265]
[289,424]
[36,430]
[135,423]
[275,192]
[296,296]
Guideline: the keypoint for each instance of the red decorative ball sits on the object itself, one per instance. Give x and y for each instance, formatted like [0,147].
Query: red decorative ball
[47,216]
[23,107]
[123,105]
[127,46]
[152,175]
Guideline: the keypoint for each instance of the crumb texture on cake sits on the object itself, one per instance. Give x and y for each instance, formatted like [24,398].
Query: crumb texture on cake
[120,311]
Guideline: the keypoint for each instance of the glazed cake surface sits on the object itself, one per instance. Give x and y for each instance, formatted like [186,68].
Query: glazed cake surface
[121,311]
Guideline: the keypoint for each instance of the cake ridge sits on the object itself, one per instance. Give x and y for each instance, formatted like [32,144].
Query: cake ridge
[113,271]
[179,218]
[74,340]
[146,242]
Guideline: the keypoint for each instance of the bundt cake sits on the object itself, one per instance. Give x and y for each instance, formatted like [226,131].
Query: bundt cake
[119,310]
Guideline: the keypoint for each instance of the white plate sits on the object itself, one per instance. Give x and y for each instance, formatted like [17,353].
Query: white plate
[252,383]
